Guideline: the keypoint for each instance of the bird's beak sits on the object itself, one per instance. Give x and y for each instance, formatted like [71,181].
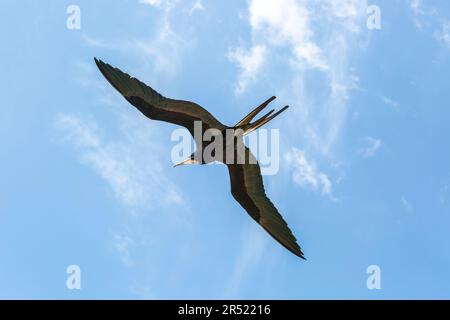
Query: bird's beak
[187,161]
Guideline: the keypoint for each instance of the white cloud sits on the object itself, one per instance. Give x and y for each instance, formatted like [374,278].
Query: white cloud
[310,40]
[136,168]
[346,12]
[253,242]
[306,173]
[420,13]
[198,6]
[131,166]
[373,145]
[429,18]
[163,50]
[345,9]
[123,244]
[155,3]
[287,23]
[443,35]
[131,162]
[249,62]
[390,102]
[407,205]
[416,6]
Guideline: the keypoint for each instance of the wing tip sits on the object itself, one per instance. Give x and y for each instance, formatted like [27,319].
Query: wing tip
[100,64]
[107,71]
[298,252]
[301,256]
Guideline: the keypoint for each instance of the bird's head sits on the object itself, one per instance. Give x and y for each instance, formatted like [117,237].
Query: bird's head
[190,160]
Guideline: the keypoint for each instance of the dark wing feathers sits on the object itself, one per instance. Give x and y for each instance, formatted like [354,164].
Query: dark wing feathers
[248,189]
[246,180]
[154,105]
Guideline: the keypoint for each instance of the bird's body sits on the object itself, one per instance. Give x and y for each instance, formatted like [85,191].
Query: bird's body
[215,142]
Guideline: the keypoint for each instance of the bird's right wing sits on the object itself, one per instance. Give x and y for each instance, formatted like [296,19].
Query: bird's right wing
[248,189]
[154,105]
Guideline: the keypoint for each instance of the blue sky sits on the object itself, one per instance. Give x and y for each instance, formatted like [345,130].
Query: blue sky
[364,173]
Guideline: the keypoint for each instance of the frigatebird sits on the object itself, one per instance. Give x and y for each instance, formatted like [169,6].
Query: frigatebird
[245,174]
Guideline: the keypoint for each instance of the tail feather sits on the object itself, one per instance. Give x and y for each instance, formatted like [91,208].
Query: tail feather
[259,123]
[246,120]
[247,126]
[267,114]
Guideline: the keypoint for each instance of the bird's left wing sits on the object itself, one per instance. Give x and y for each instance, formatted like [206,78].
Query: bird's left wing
[154,105]
[248,189]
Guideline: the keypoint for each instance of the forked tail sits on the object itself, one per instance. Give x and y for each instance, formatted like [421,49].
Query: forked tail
[249,127]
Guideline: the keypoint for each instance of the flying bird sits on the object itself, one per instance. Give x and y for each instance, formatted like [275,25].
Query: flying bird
[245,175]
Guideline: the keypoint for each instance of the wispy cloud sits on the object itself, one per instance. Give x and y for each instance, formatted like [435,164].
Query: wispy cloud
[249,62]
[131,166]
[197,6]
[416,6]
[155,3]
[390,102]
[443,34]
[407,205]
[312,40]
[418,10]
[428,18]
[163,50]
[131,161]
[287,23]
[253,243]
[372,147]
[307,40]
[278,24]
[123,244]
[306,174]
